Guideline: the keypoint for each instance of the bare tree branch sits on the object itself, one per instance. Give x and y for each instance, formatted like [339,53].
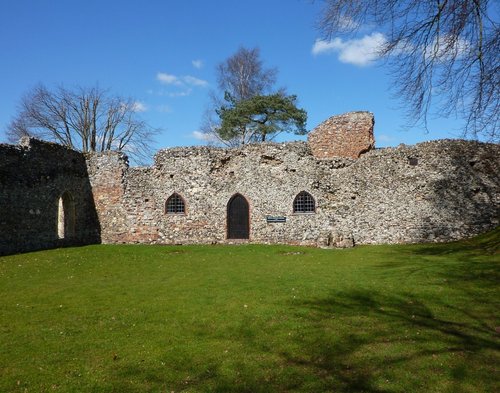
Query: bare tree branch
[443,54]
[85,119]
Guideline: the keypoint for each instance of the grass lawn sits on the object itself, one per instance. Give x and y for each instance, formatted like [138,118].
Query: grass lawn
[252,318]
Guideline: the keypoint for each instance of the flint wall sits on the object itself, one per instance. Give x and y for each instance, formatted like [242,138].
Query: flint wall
[433,191]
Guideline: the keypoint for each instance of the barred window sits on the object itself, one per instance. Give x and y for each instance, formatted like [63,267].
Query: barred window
[175,204]
[304,203]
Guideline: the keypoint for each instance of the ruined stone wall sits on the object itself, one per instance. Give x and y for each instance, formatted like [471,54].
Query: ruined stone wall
[434,191]
[33,177]
[347,135]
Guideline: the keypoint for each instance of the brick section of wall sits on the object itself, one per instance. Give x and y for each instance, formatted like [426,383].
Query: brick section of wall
[33,176]
[107,176]
[347,135]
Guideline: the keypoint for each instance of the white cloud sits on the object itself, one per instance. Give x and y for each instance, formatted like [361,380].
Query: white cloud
[197,63]
[191,80]
[447,47]
[139,107]
[168,79]
[202,136]
[321,46]
[187,80]
[360,52]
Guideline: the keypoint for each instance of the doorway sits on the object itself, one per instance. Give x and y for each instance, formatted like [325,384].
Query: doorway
[66,216]
[238,218]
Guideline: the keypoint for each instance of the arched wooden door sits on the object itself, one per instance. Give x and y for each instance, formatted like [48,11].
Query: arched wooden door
[238,218]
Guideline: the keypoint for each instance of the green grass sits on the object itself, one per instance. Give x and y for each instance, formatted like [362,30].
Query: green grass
[252,318]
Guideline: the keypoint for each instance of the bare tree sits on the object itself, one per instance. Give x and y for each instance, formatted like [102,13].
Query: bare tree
[242,76]
[443,52]
[85,119]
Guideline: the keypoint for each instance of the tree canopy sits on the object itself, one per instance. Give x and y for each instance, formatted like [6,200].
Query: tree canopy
[443,52]
[260,118]
[84,119]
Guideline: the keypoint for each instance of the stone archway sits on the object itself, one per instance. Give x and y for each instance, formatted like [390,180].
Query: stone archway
[66,216]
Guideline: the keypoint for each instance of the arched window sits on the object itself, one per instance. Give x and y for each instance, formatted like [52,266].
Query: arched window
[304,203]
[175,204]
[66,216]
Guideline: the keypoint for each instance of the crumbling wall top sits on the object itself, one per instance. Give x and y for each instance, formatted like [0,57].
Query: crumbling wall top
[347,135]
[210,152]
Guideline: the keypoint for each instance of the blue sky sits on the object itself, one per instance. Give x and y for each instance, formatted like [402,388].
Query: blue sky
[164,54]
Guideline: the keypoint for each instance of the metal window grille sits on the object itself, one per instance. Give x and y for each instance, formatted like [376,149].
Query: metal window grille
[175,204]
[304,203]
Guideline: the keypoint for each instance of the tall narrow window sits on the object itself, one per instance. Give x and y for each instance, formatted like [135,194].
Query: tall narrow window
[304,203]
[66,216]
[175,204]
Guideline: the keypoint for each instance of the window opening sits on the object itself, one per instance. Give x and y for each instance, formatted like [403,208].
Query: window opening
[175,204]
[304,203]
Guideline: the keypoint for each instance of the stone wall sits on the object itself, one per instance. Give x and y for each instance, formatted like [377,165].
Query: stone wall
[347,135]
[33,177]
[434,191]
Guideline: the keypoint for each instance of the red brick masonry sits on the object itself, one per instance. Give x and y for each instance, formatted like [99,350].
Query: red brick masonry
[348,135]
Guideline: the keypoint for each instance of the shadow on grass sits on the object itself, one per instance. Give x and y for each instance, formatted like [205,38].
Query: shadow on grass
[388,332]
[486,244]
[212,379]
[378,331]
[469,266]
